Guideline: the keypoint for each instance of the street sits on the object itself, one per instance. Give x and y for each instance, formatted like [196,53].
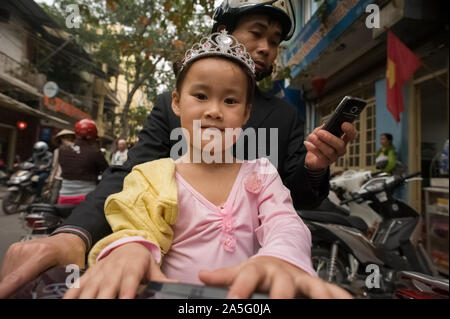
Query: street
[10,228]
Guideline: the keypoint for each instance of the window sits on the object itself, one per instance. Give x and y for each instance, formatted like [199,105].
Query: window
[309,8]
[315,4]
[371,137]
[304,10]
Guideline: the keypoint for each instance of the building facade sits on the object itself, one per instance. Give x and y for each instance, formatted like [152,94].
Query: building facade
[342,44]
[34,51]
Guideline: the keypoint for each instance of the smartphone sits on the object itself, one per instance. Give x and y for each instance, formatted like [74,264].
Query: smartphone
[347,111]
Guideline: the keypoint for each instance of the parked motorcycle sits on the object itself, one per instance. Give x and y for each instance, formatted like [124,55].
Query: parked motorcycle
[3,173]
[341,188]
[22,189]
[413,285]
[342,252]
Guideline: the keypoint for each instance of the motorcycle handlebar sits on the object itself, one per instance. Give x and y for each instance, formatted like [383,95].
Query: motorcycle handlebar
[391,185]
[354,197]
[346,201]
[411,175]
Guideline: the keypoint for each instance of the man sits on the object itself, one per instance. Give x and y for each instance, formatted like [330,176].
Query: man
[260,26]
[42,160]
[120,156]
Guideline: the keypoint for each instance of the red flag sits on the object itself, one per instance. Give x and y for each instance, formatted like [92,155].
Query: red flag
[401,64]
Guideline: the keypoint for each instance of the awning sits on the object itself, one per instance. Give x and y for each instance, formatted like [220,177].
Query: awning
[10,103]
[18,84]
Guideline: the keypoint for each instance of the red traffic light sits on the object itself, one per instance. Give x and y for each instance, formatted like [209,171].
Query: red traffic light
[21,125]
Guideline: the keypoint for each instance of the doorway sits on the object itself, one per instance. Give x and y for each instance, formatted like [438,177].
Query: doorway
[8,137]
[434,123]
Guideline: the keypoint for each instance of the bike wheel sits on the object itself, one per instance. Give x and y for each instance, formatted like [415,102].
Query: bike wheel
[11,203]
[321,260]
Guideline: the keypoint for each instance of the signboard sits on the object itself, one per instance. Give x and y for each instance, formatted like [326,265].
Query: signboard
[315,37]
[51,89]
[57,105]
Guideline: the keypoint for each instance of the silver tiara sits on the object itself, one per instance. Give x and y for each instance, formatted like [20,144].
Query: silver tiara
[219,44]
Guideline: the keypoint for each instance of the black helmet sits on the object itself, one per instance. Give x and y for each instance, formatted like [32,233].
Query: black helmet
[39,148]
[230,11]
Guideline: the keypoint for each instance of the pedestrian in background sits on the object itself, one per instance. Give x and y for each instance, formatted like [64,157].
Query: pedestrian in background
[51,191]
[385,158]
[120,156]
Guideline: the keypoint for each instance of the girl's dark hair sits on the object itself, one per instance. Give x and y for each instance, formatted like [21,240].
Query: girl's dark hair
[180,73]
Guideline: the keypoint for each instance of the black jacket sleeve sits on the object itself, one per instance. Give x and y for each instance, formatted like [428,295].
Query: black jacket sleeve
[100,161]
[304,195]
[154,143]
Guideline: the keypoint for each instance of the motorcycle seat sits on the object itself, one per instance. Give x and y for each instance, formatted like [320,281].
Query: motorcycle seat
[328,206]
[41,207]
[333,218]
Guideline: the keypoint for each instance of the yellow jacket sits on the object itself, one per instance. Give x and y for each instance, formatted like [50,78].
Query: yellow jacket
[147,207]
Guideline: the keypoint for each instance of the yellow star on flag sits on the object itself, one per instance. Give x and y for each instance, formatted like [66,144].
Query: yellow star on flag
[390,73]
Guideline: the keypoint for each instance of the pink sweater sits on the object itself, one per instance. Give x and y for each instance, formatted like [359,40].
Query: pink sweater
[257,219]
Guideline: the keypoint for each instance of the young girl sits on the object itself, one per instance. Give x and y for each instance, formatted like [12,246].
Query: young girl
[237,216]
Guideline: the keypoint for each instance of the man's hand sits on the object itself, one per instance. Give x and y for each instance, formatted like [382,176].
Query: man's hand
[118,274]
[24,261]
[324,148]
[273,275]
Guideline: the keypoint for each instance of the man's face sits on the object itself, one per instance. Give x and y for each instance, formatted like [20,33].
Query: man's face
[261,37]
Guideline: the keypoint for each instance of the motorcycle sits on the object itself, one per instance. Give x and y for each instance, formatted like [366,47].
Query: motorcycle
[341,188]
[22,189]
[41,219]
[342,252]
[413,285]
[3,173]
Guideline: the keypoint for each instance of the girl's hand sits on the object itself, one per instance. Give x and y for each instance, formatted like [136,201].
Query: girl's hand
[269,274]
[118,274]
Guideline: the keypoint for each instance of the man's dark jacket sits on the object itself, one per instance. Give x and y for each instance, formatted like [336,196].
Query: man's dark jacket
[154,143]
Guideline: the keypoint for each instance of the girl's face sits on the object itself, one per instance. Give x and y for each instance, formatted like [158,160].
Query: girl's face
[213,92]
